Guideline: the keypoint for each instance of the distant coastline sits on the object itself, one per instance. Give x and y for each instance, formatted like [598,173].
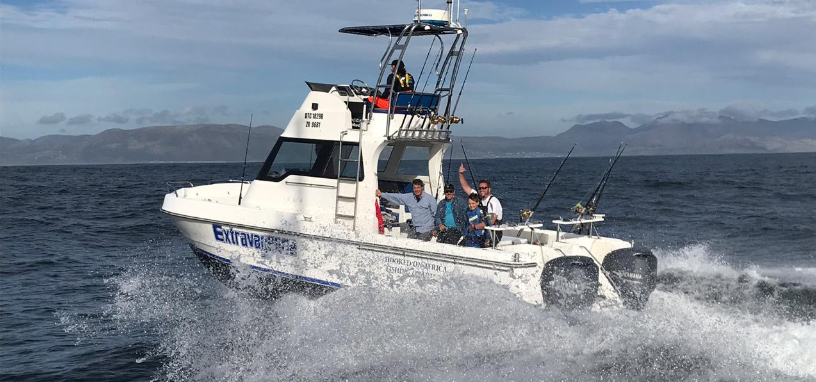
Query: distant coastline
[212,143]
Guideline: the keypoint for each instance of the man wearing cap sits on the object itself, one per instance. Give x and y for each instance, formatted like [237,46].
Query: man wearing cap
[404,84]
[422,206]
[449,219]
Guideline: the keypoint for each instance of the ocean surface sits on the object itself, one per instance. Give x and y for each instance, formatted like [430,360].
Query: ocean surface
[98,285]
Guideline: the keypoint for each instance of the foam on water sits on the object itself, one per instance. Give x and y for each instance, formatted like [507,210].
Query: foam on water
[469,330]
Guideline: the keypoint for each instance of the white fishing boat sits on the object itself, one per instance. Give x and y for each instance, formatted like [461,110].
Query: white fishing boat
[309,219]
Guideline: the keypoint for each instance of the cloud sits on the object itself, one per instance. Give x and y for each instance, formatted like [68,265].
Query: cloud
[661,55]
[114,118]
[746,112]
[584,118]
[640,118]
[82,119]
[189,115]
[742,112]
[164,117]
[52,119]
[810,111]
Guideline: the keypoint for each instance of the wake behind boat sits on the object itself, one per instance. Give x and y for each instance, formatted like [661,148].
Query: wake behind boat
[309,219]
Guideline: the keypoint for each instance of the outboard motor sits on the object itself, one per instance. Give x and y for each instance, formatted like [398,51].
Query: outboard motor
[634,273]
[570,282]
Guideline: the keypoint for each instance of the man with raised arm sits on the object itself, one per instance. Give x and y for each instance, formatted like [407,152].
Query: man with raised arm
[490,204]
[422,206]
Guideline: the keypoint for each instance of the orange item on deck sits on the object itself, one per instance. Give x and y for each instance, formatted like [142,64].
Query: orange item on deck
[380,103]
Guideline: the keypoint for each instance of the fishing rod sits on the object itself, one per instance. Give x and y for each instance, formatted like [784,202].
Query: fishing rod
[594,199]
[468,163]
[437,59]
[246,153]
[421,72]
[540,198]
[450,160]
[459,96]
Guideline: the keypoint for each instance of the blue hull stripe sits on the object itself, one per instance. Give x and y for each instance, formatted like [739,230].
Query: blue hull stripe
[271,271]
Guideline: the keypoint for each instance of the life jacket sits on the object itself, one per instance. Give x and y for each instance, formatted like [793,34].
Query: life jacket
[406,81]
[484,208]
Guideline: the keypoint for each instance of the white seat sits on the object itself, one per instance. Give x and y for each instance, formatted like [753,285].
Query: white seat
[512,240]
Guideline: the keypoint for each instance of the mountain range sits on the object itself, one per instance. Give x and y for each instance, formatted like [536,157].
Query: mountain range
[216,143]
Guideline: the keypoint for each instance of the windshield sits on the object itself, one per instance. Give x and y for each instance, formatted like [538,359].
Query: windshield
[310,158]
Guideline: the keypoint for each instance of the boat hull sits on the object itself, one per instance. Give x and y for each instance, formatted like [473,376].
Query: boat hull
[271,261]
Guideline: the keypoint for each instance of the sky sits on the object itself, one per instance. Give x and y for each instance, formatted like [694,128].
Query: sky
[85,66]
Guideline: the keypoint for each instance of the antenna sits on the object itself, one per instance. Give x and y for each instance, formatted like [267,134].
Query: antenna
[246,152]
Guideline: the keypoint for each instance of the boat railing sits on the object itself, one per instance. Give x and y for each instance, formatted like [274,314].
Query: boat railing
[176,185]
[230,181]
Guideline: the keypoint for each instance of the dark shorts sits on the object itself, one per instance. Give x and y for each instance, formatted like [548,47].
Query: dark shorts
[449,236]
[424,236]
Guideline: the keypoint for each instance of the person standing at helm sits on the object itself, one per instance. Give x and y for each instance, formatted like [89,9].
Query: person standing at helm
[402,80]
[490,204]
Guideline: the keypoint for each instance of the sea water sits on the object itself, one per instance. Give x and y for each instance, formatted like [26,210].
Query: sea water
[98,285]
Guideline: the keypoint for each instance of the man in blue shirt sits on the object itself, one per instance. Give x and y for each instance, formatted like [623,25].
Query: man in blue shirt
[422,206]
[449,219]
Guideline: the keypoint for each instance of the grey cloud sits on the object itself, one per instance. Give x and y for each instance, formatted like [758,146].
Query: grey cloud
[688,116]
[52,119]
[784,114]
[164,117]
[189,115]
[137,112]
[640,118]
[220,109]
[63,131]
[584,118]
[82,119]
[114,118]
[748,113]
[810,111]
[740,113]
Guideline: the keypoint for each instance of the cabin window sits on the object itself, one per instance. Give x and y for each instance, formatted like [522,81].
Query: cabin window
[385,155]
[414,161]
[306,157]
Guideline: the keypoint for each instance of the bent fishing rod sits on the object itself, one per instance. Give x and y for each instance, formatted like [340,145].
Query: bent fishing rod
[540,198]
[594,199]
[459,96]
[246,153]
[472,179]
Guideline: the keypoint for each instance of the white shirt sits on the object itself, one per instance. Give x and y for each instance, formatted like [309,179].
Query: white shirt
[492,203]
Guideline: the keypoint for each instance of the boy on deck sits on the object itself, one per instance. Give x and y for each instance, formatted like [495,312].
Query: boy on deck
[474,235]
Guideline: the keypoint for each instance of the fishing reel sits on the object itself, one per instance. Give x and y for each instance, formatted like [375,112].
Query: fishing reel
[441,119]
[525,215]
[435,120]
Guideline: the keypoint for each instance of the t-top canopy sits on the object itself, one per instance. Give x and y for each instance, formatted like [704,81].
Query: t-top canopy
[395,30]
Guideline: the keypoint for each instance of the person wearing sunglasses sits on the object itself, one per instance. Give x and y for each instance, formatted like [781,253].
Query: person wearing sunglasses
[448,220]
[491,206]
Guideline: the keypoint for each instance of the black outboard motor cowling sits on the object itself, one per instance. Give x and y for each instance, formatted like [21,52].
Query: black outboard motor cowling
[570,282]
[634,273]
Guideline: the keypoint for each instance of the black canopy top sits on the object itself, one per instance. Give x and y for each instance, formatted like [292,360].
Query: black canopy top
[395,30]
